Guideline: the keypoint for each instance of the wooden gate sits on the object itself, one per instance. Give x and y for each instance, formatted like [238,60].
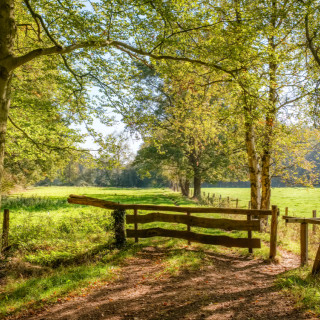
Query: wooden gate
[183,215]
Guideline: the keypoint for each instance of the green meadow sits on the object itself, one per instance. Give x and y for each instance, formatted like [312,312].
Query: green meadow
[60,250]
[299,201]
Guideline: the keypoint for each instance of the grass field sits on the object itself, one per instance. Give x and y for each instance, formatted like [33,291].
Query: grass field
[300,201]
[59,249]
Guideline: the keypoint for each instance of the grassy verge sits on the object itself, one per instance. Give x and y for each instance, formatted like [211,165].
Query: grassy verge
[303,287]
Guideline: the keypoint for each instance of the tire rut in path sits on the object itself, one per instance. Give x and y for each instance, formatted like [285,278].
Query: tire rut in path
[232,287]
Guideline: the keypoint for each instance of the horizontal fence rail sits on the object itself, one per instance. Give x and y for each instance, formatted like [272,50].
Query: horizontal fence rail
[195,237]
[225,224]
[113,205]
[289,219]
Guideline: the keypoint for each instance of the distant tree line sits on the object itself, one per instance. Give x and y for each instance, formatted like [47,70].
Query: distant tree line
[75,174]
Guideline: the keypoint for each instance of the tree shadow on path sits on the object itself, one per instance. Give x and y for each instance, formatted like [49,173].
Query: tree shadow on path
[230,287]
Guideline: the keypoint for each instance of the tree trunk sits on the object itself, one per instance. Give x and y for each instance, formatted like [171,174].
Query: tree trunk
[270,117]
[266,181]
[184,186]
[197,186]
[253,162]
[7,38]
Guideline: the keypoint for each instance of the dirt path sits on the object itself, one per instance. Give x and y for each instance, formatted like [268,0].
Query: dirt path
[233,287]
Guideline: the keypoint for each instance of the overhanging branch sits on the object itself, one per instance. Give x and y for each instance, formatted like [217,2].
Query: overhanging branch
[18,61]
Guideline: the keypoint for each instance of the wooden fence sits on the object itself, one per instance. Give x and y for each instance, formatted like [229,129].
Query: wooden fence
[304,231]
[186,218]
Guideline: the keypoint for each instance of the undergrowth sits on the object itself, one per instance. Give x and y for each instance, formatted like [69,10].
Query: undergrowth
[303,286]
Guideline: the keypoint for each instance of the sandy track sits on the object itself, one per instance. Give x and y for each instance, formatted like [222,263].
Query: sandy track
[231,287]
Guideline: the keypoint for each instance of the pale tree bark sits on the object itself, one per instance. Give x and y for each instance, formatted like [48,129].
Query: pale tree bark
[270,117]
[252,154]
[253,163]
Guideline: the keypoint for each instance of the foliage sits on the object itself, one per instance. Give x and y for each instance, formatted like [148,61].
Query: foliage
[185,126]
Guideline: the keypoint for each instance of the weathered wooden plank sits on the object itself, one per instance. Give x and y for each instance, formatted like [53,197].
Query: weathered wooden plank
[301,220]
[314,215]
[192,221]
[195,237]
[113,205]
[304,243]
[273,233]
[316,264]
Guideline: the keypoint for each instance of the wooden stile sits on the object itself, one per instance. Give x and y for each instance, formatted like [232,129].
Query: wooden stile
[304,243]
[192,221]
[186,218]
[195,237]
[304,222]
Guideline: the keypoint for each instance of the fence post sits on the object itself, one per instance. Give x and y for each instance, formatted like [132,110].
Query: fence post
[249,217]
[228,202]
[273,232]
[237,202]
[5,230]
[135,212]
[119,233]
[188,228]
[249,205]
[304,243]
[286,211]
[314,215]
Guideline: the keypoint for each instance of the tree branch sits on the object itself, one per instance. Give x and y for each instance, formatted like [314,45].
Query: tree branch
[37,16]
[41,145]
[18,61]
[309,41]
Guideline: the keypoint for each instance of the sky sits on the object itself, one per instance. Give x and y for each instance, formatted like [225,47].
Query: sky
[118,127]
